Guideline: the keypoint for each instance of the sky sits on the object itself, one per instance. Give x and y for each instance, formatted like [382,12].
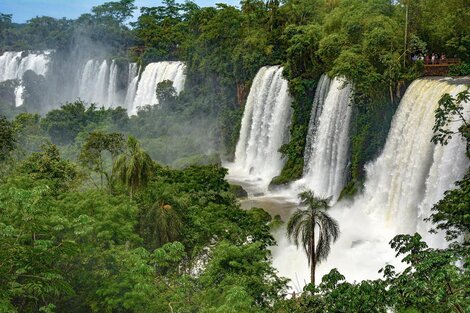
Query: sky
[24,10]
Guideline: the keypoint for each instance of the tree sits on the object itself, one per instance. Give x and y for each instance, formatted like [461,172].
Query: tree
[451,213]
[47,165]
[7,138]
[166,95]
[161,224]
[303,225]
[134,167]
[449,109]
[91,155]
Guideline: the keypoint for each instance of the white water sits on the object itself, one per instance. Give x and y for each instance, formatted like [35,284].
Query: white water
[153,74]
[328,139]
[98,83]
[401,186]
[264,129]
[133,79]
[19,95]
[13,65]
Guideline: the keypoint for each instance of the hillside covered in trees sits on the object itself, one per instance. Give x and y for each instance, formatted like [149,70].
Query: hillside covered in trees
[103,211]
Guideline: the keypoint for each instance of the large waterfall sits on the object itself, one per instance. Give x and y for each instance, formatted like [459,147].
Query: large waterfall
[98,83]
[153,74]
[14,64]
[102,82]
[402,184]
[264,128]
[328,138]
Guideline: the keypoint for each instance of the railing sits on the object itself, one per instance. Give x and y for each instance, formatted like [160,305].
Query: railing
[438,67]
[441,61]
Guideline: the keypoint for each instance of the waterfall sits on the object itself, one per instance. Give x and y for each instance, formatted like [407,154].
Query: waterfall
[153,74]
[19,95]
[407,175]
[402,184]
[98,83]
[113,99]
[264,127]
[327,145]
[320,95]
[132,80]
[14,64]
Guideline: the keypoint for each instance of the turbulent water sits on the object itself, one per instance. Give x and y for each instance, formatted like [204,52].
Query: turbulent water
[264,129]
[152,75]
[402,184]
[328,138]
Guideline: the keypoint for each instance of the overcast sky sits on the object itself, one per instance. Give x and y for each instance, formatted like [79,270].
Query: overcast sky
[23,10]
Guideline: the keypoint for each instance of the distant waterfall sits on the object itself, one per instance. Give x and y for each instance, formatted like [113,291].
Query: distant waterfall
[153,74]
[133,79]
[19,95]
[264,126]
[14,64]
[411,174]
[327,145]
[98,83]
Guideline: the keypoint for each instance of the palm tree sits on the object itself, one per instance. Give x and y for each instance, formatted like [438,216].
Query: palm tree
[160,224]
[134,167]
[303,225]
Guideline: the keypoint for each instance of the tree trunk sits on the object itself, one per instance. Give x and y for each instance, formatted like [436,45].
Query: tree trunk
[313,259]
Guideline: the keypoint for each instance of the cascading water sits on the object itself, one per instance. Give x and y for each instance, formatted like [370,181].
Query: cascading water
[19,95]
[328,138]
[409,176]
[264,128]
[14,64]
[133,79]
[97,83]
[320,95]
[153,74]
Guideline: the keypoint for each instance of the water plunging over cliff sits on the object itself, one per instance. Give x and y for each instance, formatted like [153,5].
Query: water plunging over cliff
[264,128]
[98,83]
[153,74]
[14,64]
[326,151]
[402,184]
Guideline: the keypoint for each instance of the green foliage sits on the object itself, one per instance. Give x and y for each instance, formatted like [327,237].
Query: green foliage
[449,109]
[462,69]
[91,154]
[64,124]
[49,167]
[166,95]
[134,167]
[7,138]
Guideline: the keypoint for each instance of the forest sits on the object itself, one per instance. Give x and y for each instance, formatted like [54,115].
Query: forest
[105,212]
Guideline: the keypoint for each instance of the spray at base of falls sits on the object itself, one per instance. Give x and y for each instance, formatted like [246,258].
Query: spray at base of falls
[264,129]
[409,176]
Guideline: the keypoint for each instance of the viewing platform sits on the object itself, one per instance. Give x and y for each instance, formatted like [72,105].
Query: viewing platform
[439,67]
